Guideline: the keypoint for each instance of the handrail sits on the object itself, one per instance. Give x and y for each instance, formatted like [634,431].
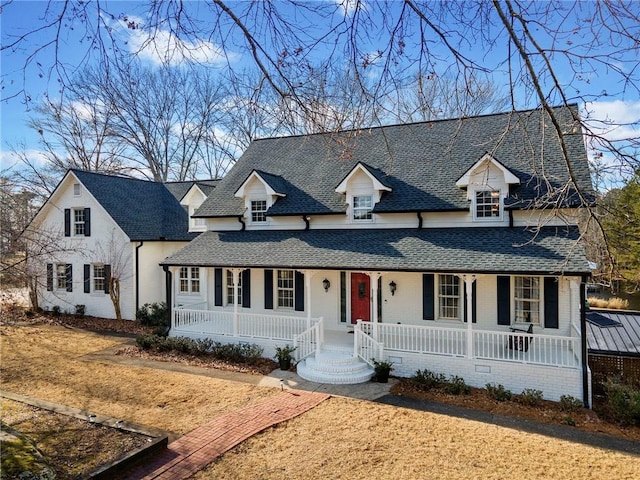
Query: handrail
[365,347]
[308,342]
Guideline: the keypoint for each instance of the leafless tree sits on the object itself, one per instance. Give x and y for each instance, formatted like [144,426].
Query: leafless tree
[117,255]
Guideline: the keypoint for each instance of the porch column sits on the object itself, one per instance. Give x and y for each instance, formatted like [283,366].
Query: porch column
[373,277]
[468,288]
[236,278]
[307,286]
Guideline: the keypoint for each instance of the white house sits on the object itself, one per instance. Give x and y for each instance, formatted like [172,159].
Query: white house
[445,245]
[101,225]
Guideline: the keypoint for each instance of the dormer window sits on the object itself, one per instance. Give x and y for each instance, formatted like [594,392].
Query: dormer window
[362,207]
[258,211]
[488,204]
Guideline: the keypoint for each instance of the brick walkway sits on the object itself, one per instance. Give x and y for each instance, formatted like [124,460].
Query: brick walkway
[198,448]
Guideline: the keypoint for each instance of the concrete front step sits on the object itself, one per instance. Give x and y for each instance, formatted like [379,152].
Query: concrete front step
[335,368]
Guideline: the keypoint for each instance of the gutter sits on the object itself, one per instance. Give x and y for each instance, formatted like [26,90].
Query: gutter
[583,336]
[138,276]
[168,283]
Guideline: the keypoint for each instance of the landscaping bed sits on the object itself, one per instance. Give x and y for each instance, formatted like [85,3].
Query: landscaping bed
[43,443]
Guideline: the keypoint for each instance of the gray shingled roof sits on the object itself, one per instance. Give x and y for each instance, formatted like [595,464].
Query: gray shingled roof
[621,338]
[420,162]
[144,210]
[466,250]
[180,189]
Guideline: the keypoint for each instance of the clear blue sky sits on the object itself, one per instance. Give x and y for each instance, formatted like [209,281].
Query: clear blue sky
[20,17]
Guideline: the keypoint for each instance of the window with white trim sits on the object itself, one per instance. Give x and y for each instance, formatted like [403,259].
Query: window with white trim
[449,297]
[61,276]
[230,288]
[189,280]
[285,289]
[527,300]
[99,278]
[78,222]
[258,211]
[488,204]
[362,208]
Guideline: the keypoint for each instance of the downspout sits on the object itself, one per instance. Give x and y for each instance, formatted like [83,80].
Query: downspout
[583,336]
[168,285]
[419,220]
[138,276]
[510,218]
[306,221]
[241,220]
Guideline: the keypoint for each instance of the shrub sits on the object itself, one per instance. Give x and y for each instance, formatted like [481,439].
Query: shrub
[569,420]
[237,353]
[530,397]
[147,342]
[153,314]
[161,331]
[180,344]
[426,379]
[570,404]
[56,310]
[623,402]
[203,346]
[80,310]
[612,303]
[498,392]
[456,386]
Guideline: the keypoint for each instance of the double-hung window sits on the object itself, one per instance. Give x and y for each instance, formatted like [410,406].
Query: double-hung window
[78,222]
[527,300]
[99,278]
[230,288]
[258,211]
[488,204]
[285,289]
[362,208]
[189,280]
[449,297]
[61,276]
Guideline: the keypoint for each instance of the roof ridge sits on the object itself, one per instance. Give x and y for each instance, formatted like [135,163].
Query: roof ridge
[438,120]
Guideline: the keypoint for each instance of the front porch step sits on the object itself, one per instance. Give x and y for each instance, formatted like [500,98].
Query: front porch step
[335,367]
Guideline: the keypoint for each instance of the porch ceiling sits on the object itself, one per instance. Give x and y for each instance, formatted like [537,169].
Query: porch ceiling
[464,250]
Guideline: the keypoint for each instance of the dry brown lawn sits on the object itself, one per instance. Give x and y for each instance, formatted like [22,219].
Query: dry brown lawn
[341,438]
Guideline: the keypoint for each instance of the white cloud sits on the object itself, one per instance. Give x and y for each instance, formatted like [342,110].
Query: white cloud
[162,47]
[616,120]
[350,6]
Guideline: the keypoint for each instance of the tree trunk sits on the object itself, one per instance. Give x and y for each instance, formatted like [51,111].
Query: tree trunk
[114,294]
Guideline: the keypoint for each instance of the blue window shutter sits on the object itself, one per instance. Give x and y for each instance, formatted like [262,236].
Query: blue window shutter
[268,289]
[69,273]
[50,277]
[246,288]
[67,222]
[87,278]
[217,287]
[550,302]
[87,222]
[428,312]
[473,301]
[504,300]
[298,287]
[107,278]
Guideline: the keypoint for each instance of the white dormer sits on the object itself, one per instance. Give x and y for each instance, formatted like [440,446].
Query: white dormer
[191,201]
[362,188]
[487,183]
[259,191]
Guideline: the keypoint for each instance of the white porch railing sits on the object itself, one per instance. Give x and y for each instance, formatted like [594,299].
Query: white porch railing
[488,345]
[308,342]
[276,327]
[365,346]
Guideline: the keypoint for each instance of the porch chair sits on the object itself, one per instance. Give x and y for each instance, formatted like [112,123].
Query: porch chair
[520,342]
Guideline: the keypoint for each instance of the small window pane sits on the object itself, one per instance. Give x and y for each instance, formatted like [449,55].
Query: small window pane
[449,296]
[362,207]
[98,278]
[258,210]
[61,276]
[285,288]
[230,288]
[78,222]
[527,300]
[488,204]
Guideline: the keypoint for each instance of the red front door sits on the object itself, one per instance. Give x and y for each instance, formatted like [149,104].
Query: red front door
[360,297]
